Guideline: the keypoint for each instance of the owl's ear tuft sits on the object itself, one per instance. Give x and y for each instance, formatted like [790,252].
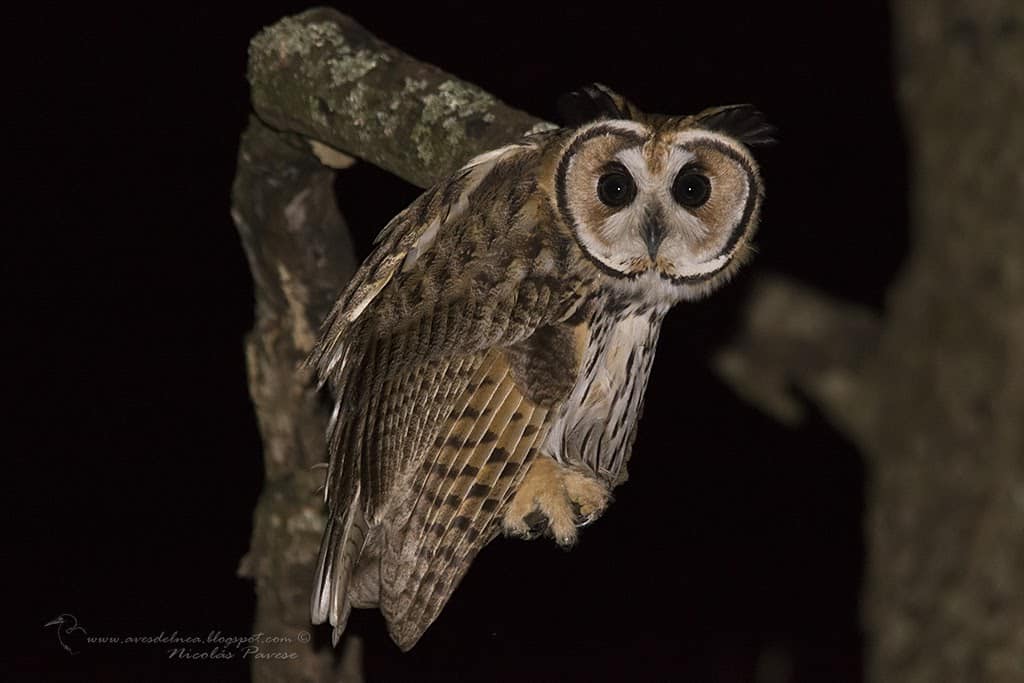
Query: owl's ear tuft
[741,121]
[593,102]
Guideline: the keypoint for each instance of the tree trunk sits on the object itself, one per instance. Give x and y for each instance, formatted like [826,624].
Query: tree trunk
[945,592]
[300,254]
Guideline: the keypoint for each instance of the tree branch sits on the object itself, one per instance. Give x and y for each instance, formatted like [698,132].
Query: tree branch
[323,76]
[792,336]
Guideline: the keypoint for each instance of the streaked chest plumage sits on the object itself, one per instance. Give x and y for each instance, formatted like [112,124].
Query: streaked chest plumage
[597,425]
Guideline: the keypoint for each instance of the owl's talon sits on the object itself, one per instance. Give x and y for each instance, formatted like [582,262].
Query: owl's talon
[582,520]
[556,501]
[537,523]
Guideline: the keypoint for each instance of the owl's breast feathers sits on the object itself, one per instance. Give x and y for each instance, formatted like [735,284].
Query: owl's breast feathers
[597,420]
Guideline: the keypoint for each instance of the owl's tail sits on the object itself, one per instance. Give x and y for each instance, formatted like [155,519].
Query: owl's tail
[339,550]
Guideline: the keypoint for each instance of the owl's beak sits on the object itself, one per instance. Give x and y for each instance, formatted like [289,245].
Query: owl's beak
[653,232]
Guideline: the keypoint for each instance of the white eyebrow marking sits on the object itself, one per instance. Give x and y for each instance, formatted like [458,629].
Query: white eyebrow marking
[623,125]
[677,158]
[633,159]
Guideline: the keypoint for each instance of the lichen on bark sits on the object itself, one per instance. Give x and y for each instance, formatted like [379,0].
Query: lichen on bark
[407,117]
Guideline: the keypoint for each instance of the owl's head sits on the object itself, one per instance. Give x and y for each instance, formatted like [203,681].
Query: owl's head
[671,198]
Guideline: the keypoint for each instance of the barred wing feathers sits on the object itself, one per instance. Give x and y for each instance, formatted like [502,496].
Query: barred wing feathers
[434,424]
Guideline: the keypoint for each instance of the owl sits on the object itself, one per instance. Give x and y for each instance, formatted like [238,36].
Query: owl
[490,357]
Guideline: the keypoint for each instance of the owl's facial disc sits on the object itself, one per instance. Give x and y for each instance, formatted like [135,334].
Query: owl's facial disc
[680,204]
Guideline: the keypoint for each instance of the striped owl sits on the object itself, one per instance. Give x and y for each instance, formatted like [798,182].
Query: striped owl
[490,357]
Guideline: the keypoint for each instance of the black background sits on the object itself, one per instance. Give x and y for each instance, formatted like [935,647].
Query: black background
[736,547]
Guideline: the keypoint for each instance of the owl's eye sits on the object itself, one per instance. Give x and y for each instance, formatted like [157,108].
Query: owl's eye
[616,188]
[691,189]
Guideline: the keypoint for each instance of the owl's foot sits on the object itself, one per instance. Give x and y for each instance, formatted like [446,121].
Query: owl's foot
[555,499]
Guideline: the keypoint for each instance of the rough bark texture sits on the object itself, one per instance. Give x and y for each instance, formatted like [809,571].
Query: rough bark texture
[300,254]
[324,76]
[933,394]
[945,592]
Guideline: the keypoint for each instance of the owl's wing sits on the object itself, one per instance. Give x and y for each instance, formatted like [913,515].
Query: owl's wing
[460,488]
[426,351]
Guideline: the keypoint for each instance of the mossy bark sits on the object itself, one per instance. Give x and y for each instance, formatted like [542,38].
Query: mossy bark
[323,76]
